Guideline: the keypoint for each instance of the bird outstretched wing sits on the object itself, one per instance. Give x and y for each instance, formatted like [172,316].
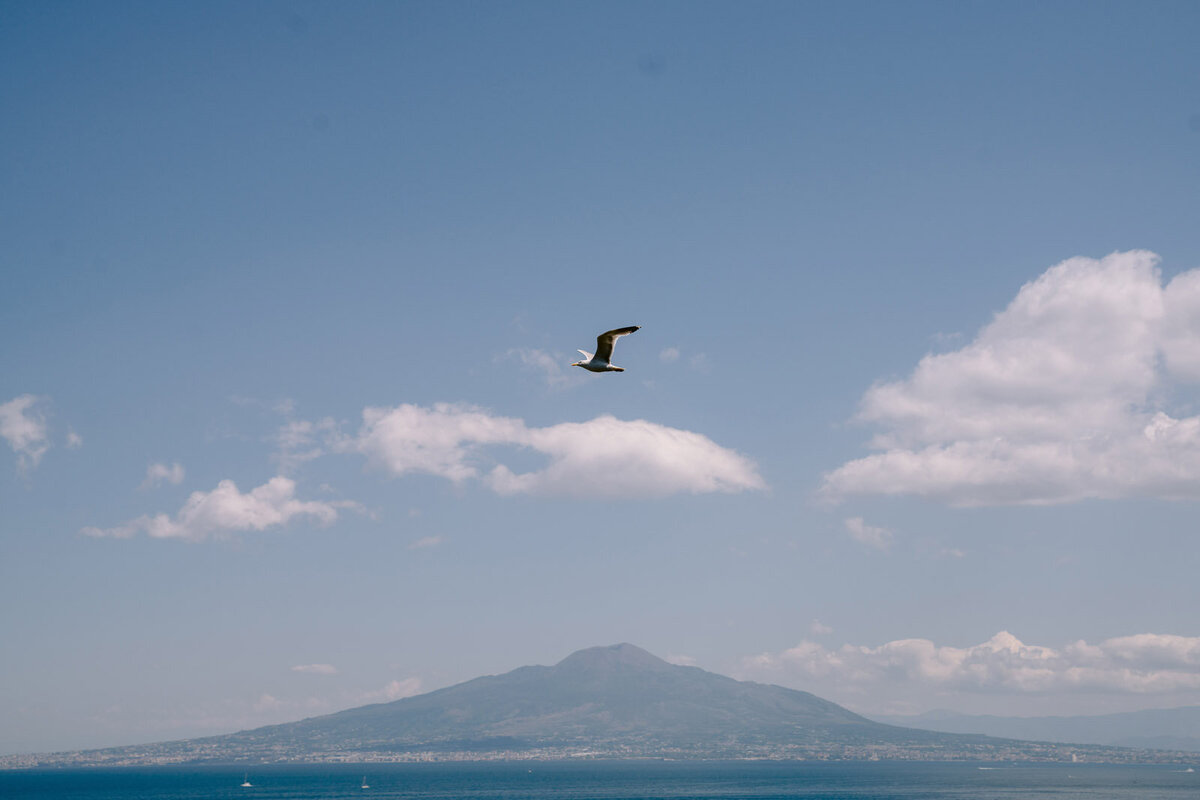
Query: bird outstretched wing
[606,340]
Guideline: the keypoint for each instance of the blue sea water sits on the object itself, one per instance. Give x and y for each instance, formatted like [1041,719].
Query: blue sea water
[612,780]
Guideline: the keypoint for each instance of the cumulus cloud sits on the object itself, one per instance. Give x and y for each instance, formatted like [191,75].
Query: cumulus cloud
[615,457]
[23,426]
[74,440]
[818,628]
[604,456]
[226,510]
[870,535]
[1063,396]
[158,473]
[668,354]
[443,440]
[1141,664]
[316,669]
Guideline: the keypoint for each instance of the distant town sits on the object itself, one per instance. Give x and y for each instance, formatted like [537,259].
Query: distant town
[195,752]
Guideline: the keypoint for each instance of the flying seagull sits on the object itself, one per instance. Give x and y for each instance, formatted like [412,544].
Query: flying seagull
[604,348]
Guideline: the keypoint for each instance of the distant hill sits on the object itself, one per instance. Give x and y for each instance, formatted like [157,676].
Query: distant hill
[613,702]
[1167,729]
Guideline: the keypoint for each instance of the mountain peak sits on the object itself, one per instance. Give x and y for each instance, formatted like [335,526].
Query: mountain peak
[614,656]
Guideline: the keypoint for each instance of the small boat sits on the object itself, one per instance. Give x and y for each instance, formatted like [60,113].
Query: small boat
[246,781]
[364,784]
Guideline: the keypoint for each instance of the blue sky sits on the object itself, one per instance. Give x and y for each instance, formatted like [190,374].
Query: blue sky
[291,291]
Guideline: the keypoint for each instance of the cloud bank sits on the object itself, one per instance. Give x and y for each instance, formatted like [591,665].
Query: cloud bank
[1143,663]
[226,510]
[602,457]
[23,426]
[1067,394]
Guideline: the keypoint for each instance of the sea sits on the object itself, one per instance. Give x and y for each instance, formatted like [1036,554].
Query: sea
[615,780]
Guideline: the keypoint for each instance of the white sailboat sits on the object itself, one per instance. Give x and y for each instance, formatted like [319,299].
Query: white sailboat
[364,785]
[246,781]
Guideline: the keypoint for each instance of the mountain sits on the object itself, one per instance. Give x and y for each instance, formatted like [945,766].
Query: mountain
[615,702]
[1168,728]
[603,693]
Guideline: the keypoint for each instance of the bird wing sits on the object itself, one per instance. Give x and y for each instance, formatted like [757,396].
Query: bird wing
[586,355]
[606,340]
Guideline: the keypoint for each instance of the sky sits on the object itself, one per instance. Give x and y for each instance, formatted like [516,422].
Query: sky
[291,293]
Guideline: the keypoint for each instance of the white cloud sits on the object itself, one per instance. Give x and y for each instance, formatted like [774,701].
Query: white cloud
[870,535]
[74,440]
[157,473]
[604,456]
[1063,396]
[1140,664]
[23,426]
[1180,339]
[425,543]
[224,510]
[819,629]
[608,456]
[669,354]
[316,669]
[443,440]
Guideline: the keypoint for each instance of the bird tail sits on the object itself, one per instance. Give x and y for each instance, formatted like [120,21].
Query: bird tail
[616,369]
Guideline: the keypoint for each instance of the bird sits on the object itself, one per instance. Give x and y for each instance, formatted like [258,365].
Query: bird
[604,347]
